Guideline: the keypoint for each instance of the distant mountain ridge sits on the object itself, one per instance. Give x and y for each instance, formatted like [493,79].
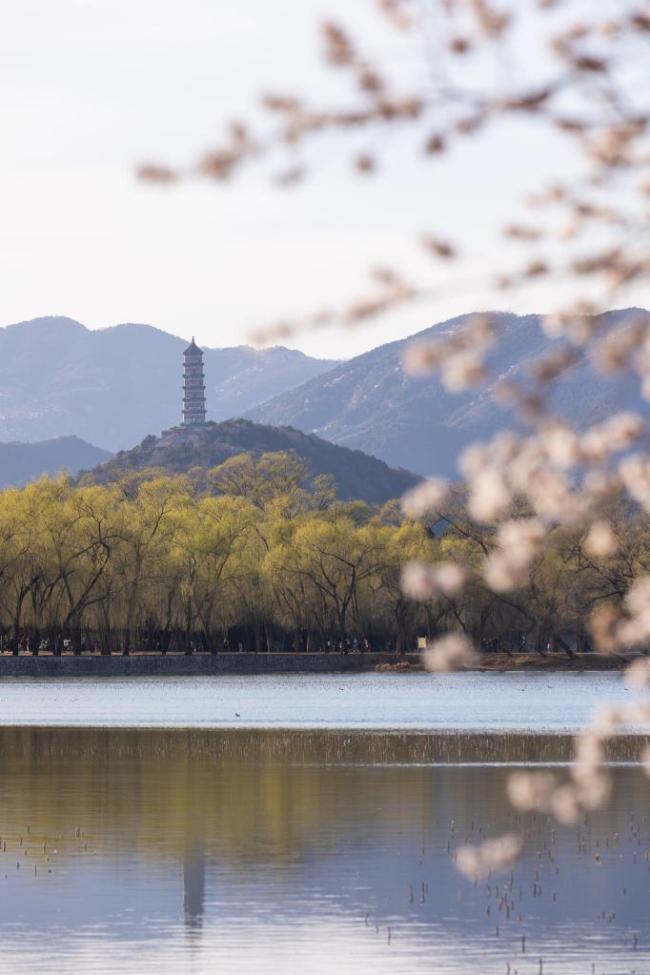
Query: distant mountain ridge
[24,462]
[178,450]
[369,403]
[114,386]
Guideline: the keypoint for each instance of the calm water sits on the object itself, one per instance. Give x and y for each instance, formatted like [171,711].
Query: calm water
[318,851]
[515,701]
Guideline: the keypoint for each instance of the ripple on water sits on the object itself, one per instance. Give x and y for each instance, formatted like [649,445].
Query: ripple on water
[559,702]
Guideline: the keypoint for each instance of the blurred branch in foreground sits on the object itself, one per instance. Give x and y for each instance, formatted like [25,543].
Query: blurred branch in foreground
[578,71]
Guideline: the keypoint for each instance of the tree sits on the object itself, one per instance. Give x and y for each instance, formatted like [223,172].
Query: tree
[276,476]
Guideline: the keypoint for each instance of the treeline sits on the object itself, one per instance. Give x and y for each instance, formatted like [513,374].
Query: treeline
[258,555]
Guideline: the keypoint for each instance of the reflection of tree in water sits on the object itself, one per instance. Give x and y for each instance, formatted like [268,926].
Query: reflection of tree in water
[368,822]
[194,882]
[235,794]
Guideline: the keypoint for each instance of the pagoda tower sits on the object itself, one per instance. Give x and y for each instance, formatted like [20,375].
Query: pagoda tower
[193,386]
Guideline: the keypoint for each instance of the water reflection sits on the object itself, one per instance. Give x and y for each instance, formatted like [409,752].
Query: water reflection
[194,882]
[312,852]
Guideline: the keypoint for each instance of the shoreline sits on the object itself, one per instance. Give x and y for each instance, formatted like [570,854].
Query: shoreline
[502,662]
[242,664]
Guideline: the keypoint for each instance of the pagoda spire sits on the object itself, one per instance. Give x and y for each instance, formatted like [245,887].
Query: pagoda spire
[193,386]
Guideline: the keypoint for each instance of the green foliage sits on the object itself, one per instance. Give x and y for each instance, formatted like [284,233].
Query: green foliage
[259,551]
[256,549]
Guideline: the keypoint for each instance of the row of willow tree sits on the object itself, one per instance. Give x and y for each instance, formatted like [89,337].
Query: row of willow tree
[258,555]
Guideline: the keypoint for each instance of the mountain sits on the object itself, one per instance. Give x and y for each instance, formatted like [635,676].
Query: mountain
[23,462]
[368,402]
[116,385]
[178,450]
[113,386]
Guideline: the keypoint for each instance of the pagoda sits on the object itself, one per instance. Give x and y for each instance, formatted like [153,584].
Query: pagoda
[193,386]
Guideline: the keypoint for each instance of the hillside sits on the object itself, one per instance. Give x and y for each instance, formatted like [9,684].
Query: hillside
[356,474]
[23,462]
[114,386]
[369,403]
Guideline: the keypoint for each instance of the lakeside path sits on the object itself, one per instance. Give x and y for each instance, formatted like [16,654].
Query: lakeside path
[206,664]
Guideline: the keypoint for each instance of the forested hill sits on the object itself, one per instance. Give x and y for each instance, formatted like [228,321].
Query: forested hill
[23,462]
[179,450]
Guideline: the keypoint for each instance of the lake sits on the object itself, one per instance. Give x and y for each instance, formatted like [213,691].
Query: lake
[487,701]
[318,836]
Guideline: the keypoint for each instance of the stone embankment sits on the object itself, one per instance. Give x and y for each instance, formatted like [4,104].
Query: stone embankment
[195,665]
[206,664]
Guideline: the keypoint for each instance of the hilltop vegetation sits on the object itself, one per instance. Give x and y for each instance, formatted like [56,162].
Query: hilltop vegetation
[198,449]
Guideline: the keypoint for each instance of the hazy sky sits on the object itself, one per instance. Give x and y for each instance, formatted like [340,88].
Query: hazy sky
[90,88]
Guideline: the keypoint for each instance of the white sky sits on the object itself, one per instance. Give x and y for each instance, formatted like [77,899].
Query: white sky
[90,88]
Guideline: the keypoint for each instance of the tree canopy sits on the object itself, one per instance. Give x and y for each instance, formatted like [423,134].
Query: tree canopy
[255,552]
